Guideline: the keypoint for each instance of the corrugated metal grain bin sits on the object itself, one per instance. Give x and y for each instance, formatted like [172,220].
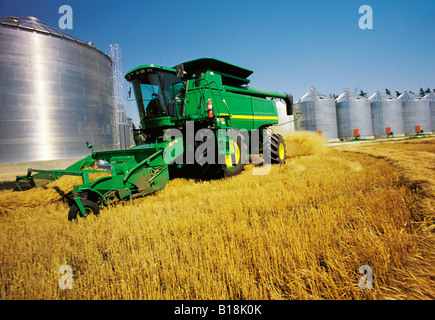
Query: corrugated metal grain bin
[354,116]
[431,98]
[416,113]
[318,114]
[56,92]
[386,115]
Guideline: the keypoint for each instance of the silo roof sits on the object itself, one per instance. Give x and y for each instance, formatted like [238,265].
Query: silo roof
[408,96]
[381,96]
[430,96]
[350,96]
[313,95]
[35,25]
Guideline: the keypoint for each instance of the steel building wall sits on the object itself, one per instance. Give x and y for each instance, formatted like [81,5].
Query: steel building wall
[55,93]
[386,112]
[416,112]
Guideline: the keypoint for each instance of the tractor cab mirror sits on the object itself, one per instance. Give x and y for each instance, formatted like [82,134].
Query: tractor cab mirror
[129,98]
[180,71]
[90,146]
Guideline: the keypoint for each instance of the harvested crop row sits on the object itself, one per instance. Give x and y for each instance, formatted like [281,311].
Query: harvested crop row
[50,192]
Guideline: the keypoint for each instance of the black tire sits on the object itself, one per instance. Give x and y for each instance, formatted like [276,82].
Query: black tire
[240,163]
[274,149]
[220,169]
[90,207]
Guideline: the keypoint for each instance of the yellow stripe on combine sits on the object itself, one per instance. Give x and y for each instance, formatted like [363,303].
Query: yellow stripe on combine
[240,116]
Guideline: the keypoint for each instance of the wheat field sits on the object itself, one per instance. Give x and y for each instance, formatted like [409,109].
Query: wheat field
[300,232]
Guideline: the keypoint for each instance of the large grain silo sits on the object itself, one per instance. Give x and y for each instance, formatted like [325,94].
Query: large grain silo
[416,113]
[56,92]
[386,115]
[431,98]
[354,116]
[318,114]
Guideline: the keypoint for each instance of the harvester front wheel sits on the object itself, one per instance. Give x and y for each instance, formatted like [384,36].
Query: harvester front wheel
[274,149]
[238,158]
[90,207]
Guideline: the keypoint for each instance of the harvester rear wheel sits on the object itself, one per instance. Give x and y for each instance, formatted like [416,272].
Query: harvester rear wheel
[274,149]
[90,207]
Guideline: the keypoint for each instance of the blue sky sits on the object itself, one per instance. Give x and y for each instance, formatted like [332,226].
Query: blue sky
[290,45]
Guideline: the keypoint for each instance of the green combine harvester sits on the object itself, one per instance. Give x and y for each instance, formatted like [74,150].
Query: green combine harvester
[199,117]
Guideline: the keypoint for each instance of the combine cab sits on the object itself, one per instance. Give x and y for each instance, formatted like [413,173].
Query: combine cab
[208,97]
[198,117]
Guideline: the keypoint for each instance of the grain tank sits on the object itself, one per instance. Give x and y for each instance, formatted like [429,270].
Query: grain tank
[386,115]
[318,114]
[416,113]
[431,98]
[354,117]
[56,93]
